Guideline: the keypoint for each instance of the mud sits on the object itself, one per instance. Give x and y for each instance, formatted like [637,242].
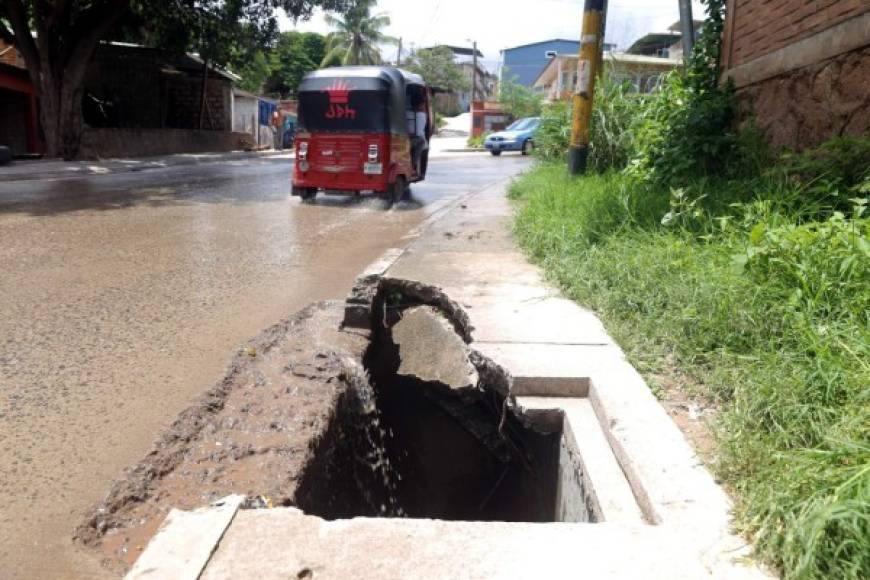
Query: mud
[313,413]
[251,434]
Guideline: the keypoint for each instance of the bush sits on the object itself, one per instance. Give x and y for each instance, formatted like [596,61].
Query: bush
[686,131]
[518,100]
[554,132]
[477,142]
[617,110]
[611,140]
[831,174]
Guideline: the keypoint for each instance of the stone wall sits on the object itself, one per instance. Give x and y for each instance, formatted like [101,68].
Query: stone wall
[813,87]
[803,108]
[108,143]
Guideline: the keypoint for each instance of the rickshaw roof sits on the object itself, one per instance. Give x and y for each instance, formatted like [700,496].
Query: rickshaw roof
[393,77]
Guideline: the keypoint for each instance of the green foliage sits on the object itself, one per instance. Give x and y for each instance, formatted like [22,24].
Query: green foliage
[831,174]
[357,36]
[295,54]
[823,267]
[611,137]
[253,68]
[518,100]
[759,290]
[614,117]
[685,131]
[477,142]
[437,66]
[554,132]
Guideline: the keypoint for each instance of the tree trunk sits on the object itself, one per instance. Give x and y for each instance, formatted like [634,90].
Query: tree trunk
[61,113]
[57,59]
[203,93]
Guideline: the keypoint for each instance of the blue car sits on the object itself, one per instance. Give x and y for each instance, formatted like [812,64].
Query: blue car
[519,136]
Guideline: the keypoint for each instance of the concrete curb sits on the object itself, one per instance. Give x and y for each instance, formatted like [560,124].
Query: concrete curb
[56,169]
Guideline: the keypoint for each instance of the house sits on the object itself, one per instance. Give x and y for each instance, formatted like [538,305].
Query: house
[644,73]
[484,80]
[524,63]
[800,69]
[133,86]
[19,125]
[137,101]
[667,44]
[455,103]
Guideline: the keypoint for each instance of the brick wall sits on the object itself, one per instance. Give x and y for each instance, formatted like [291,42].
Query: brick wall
[755,28]
[147,92]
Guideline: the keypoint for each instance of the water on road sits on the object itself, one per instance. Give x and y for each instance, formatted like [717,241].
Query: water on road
[122,297]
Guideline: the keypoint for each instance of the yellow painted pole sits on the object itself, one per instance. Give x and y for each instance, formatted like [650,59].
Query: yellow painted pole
[590,46]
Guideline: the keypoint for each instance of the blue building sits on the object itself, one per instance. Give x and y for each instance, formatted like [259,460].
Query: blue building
[527,61]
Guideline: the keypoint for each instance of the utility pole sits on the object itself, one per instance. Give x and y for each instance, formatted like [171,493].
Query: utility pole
[474,74]
[590,49]
[687,27]
[399,54]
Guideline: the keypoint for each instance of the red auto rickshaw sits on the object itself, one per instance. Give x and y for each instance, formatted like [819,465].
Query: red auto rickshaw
[362,128]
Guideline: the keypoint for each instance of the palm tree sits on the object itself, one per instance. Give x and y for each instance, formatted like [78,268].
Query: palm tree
[357,36]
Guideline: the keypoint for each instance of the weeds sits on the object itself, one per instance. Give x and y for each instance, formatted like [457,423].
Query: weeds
[759,289]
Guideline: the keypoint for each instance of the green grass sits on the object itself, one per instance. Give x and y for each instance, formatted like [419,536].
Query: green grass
[765,304]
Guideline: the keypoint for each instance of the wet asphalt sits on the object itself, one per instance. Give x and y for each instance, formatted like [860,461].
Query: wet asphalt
[123,297]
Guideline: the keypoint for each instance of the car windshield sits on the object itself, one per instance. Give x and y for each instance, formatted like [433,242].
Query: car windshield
[523,124]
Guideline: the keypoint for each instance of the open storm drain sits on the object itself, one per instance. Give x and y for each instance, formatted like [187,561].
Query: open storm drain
[426,429]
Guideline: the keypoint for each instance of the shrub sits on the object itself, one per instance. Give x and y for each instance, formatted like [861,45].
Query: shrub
[831,174]
[554,132]
[686,130]
[477,142]
[616,112]
[611,140]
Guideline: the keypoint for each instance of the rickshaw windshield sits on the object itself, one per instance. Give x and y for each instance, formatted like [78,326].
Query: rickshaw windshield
[353,111]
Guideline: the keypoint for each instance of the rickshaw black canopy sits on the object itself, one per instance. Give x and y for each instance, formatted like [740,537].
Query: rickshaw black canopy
[355,99]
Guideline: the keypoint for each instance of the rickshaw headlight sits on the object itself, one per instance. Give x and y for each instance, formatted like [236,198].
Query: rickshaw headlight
[303,150]
[373,153]
[303,165]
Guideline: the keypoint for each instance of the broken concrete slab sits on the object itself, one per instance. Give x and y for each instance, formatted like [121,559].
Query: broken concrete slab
[186,541]
[430,349]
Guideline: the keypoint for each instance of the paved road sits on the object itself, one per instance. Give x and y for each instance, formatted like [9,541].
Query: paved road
[123,296]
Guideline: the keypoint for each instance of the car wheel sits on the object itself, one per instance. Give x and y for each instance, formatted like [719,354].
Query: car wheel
[495,153]
[5,155]
[528,145]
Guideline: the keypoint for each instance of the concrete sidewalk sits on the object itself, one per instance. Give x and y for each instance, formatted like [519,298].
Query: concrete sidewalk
[659,512]
[47,169]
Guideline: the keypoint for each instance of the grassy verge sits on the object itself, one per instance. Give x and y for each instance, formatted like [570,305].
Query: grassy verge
[767,310]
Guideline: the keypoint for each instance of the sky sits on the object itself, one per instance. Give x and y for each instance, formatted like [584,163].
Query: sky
[499,24]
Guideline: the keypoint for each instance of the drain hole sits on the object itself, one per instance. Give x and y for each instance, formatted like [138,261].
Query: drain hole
[422,432]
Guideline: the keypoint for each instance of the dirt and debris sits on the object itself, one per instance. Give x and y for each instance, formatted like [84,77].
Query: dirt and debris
[316,414]
[251,434]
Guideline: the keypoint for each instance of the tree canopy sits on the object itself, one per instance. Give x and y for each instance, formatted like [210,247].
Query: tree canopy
[519,100]
[67,34]
[438,67]
[357,36]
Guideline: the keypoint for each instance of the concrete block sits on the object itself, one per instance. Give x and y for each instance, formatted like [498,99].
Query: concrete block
[430,349]
[607,494]
[185,542]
